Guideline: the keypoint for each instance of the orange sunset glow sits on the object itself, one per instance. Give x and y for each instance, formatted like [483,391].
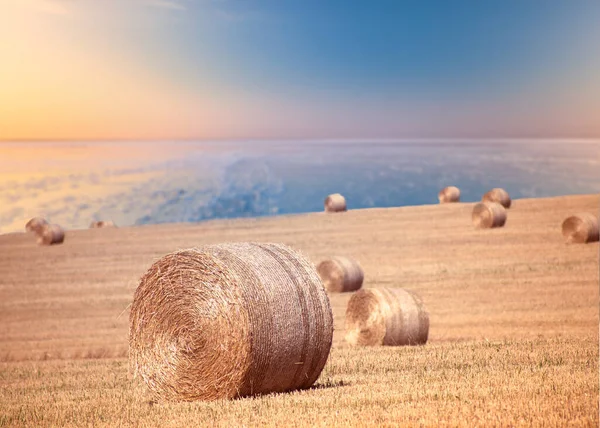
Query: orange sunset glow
[85,70]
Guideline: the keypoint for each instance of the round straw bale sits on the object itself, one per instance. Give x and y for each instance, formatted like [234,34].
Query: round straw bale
[229,320]
[100,224]
[386,316]
[580,229]
[341,274]
[35,224]
[488,214]
[51,234]
[335,203]
[498,195]
[449,194]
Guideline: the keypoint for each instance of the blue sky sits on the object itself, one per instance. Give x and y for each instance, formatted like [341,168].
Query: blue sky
[273,69]
[426,46]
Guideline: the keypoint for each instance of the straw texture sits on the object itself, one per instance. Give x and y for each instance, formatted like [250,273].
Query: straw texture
[488,214]
[580,229]
[335,203]
[497,195]
[341,274]
[101,224]
[449,194]
[36,224]
[51,234]
[386,316]
[229,320]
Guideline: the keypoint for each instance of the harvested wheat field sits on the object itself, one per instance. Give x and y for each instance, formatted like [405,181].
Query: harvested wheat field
[513,311]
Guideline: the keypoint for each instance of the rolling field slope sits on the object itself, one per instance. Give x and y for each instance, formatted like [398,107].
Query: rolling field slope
[513,337]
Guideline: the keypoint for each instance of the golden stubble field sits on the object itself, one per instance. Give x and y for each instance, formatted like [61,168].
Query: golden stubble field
[513,337]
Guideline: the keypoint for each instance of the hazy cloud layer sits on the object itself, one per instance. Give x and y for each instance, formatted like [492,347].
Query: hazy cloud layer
[279,178]
[168,4]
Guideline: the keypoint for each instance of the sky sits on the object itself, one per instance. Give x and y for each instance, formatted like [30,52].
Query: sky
[269,69]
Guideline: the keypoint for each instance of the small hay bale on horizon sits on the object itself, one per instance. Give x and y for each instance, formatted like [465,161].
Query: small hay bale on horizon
[386,316]
[487,215]
[581,229]
[341,274]
[36,224]
[499,196]
[229,320]
[101,224]
[335,203]
[51,234]
[449,194]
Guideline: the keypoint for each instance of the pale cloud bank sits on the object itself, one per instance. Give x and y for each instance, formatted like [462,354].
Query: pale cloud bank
[276,178]
[168,4]
[50,7]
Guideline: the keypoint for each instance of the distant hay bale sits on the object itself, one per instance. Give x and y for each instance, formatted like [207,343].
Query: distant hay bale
[488,214]
[229,320]
[335,203]
[101,224]
[341,274]
[449,194]
[51,234]
[35,224]
[498,195]
[580,229]
[386,316]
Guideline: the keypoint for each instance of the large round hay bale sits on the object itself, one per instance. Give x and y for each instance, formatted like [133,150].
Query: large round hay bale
[386,316]
[499,196]
[229,320]
[335,203]
[449,194]
[488,214]
[35,224]
[581,228]
[341,274]
[51,234]
[102,223]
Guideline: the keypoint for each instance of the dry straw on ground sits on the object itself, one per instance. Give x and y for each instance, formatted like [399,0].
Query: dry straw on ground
[229,320]
[335,203]
[36,224]
[449,194]
[488,214]
[581,228]
[101,224]
[386,316]
[341,274]
[51,234]
[498,195]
